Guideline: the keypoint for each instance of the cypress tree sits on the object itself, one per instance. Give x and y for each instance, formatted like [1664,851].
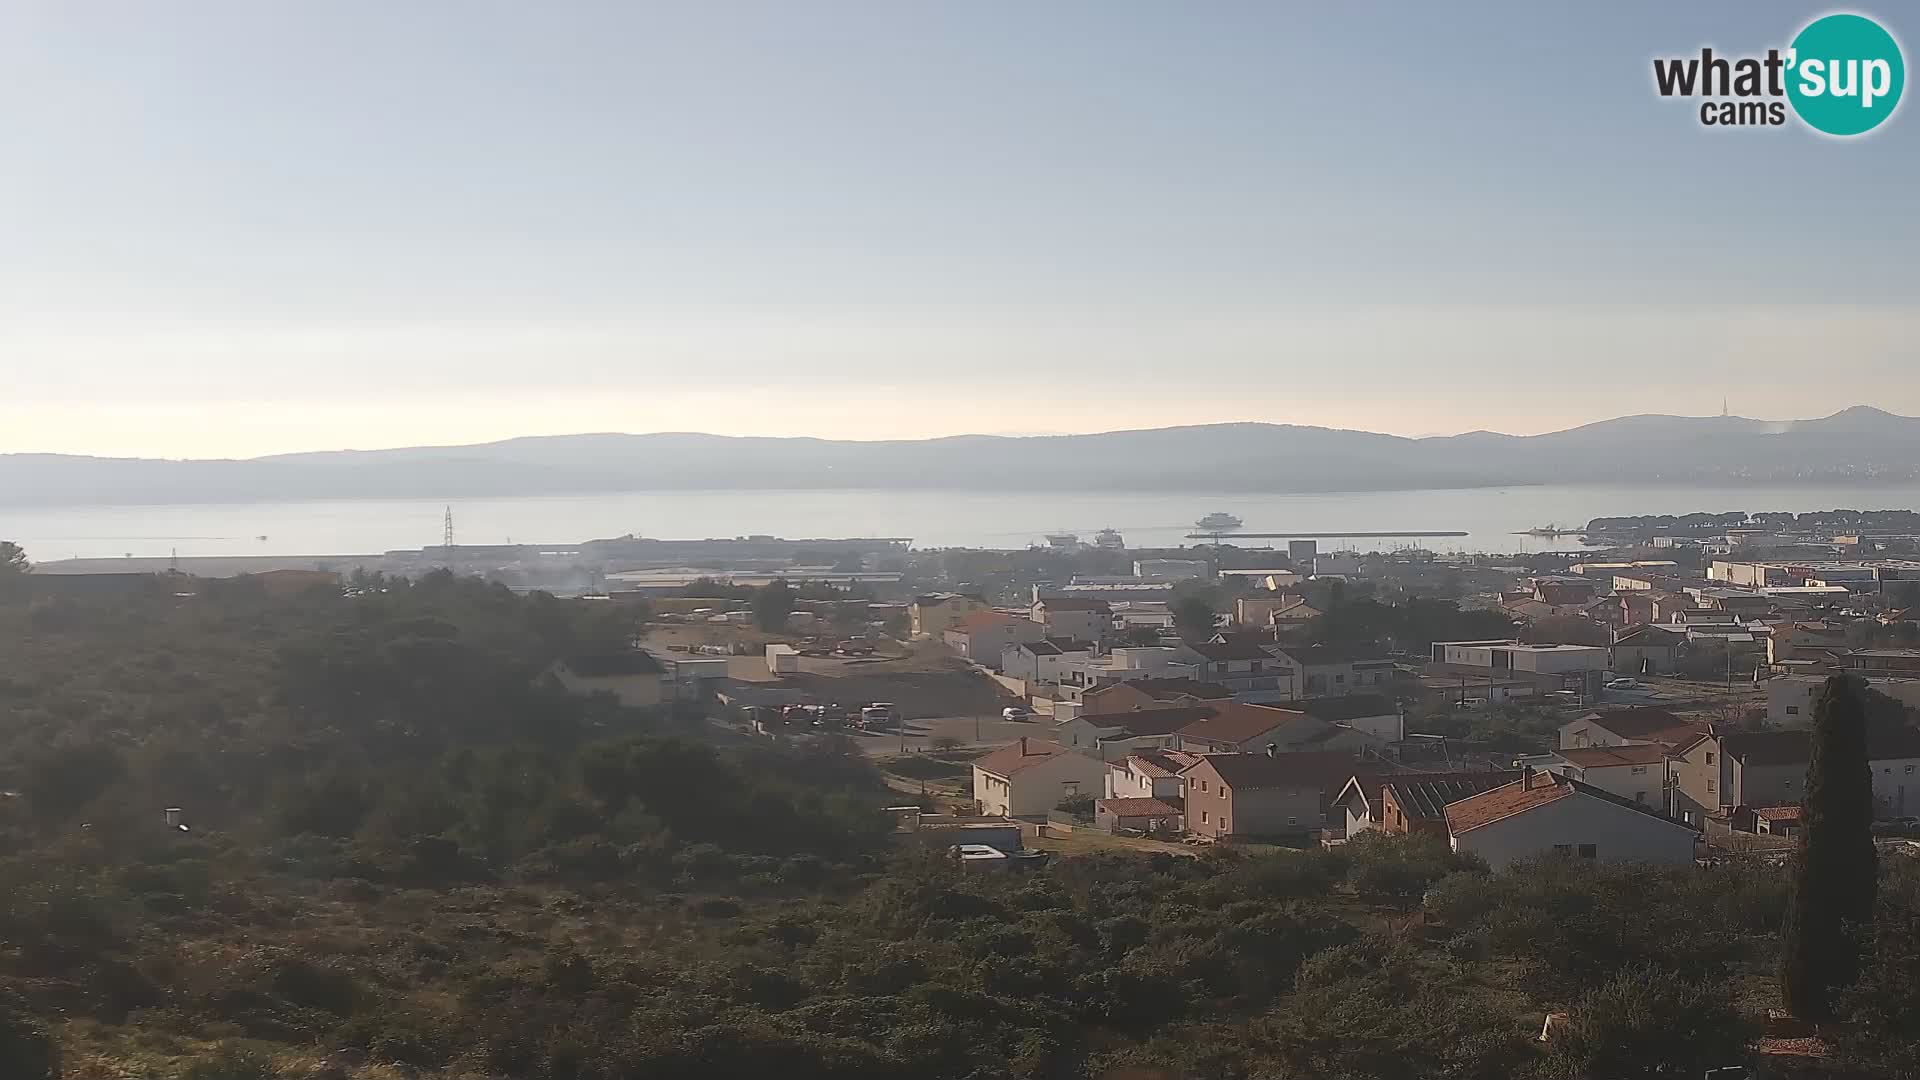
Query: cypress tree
[1834,881]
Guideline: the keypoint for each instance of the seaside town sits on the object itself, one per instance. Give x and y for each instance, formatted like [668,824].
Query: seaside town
[1644,693]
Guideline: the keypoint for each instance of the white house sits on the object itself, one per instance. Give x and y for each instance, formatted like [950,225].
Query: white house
[1636,772]
[1044,661]
[1115,735]
[1074,617]
[1549,814]
[1149,774]
[1032,776]
[1375,714]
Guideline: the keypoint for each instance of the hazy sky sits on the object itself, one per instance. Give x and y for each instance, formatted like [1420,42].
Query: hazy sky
[232,228]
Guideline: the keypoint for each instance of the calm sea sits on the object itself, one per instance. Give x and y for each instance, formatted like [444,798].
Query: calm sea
[1491,517]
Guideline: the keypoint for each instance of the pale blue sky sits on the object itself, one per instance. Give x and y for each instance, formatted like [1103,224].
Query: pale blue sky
[234,227]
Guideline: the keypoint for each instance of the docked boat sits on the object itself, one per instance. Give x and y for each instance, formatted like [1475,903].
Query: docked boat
[1063,541]
[1218,521]
[1109,540]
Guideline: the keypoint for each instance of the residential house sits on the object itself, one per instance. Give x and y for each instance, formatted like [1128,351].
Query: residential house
[1777,820]
[1147,774]
[1549,814]
[1130,664]
[930,616]
[1645,650]
[1376,715]
[1151,694]
[1078,618]
[983,637]
[1881,663]
[1043,661]
[1720,772]
[1324,671]
[1241,796]
[634,679]
[1147,815]
[1355,808]
[1236,728]
[1259,611]
[1637,772]
[1417,805]
[1242,664]
[1621,727]
[1032,776]
[1290,619]
[1108,736]
[1790,698]
[1814,640]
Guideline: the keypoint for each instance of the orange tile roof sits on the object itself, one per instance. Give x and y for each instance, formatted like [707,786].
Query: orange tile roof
[1503,802]
[1235,722]
[1023,754]
[1531,792]
[1601,757]
[980,620]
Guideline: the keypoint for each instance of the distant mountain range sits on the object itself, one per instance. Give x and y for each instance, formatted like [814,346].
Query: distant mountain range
[1854,445]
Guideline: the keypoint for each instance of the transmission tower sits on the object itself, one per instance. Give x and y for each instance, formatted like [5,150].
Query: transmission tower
[446,532]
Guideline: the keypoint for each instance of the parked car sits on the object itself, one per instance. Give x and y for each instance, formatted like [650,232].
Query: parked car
[1015,712]
[1624,684]
[880,714]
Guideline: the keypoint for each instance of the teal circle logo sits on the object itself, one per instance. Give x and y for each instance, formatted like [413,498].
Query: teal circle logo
[1845,74]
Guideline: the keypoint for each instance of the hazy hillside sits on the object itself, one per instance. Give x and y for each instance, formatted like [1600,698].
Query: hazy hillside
[1861,443]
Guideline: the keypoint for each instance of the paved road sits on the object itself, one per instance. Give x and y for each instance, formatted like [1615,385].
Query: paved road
[971,731]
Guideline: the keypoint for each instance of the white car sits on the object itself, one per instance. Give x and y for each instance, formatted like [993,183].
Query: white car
[1015,712]
[1624,684]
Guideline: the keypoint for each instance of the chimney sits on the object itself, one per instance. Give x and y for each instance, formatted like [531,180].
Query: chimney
[1023,746]
[1526,776]
[1273,750]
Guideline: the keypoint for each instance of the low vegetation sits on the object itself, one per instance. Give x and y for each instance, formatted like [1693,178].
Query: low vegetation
[405,854]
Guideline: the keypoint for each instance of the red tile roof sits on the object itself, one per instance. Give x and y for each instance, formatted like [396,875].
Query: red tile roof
[1532,792]
[1503,802]
[980,620]
[1149,721]
[1155,762]
[1234,722]
[1140,807]
[1601,757]
[1320,768]
[1023,754]
[1789,812]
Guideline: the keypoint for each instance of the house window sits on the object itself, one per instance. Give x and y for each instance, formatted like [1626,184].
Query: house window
[1709,785]
[1203,817]
[1072,788]
[1793,710]
[1223,793]
[1293,821]
[1709,757]
[1589,851]
[1339,678]
[1563,849]
[1639,770]
[1640,797]
[1223,825]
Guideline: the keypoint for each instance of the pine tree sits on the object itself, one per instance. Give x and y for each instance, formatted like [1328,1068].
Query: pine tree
[1835,881]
